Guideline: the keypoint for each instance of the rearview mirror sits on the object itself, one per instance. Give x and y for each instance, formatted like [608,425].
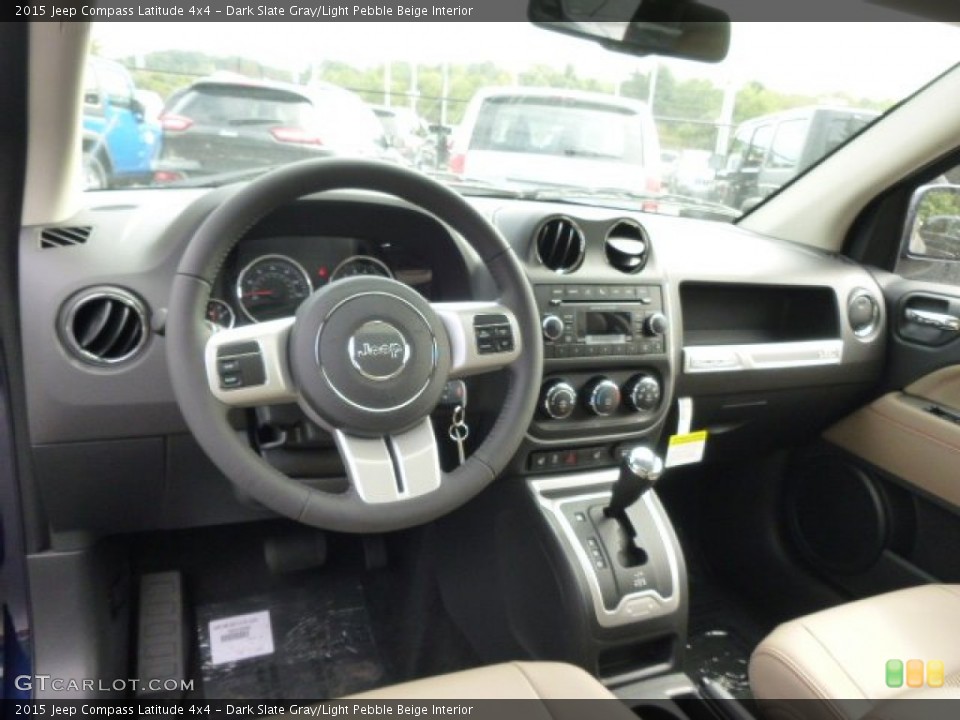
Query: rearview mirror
[672,28]
[716,162]
[933,223]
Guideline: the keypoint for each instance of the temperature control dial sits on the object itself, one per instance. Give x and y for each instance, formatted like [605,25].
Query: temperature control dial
[642,393]
[602,396]
[558,400]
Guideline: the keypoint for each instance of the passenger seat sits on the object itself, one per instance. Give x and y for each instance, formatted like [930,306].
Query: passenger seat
[854,655]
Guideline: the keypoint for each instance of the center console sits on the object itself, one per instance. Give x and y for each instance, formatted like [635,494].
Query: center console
[607,359]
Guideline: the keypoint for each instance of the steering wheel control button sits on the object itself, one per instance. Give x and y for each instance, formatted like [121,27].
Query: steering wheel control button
[378,351]
[602,397]
[642,393]
[493,334]
[559,400]
[240,365]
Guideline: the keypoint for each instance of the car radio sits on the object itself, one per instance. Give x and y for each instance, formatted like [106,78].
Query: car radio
[582,321]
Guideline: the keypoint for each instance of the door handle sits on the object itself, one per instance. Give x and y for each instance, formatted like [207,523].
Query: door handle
[939,321]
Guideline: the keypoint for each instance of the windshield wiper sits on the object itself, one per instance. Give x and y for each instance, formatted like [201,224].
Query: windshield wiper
[476,186]
[218,179]
[689,206]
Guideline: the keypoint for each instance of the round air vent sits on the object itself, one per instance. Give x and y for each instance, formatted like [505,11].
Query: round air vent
[627,247]
[560,245]
[863,313]
[104,325]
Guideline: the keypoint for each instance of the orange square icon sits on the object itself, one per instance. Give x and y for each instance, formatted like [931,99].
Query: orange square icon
[935,673]
[914,673]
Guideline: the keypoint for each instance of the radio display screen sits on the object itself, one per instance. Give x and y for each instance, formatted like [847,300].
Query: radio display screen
[606,326]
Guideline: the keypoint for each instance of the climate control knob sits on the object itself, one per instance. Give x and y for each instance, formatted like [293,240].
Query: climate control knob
[642,393]
[558,400]
[552,327]
[657,324]
[602,396]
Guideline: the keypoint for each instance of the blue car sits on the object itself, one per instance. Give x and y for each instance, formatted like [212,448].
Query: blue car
[119,141]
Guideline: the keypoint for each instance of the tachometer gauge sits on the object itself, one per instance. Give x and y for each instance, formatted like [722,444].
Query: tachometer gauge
[220,314]
[360,265]
[271,287]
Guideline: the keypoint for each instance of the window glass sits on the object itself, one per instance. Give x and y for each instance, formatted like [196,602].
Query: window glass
[758,147]
[115,84]
[788,144]
[931,239]
[545,126]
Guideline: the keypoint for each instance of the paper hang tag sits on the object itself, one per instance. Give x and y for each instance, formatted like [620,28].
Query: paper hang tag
[686,449]
[240,637]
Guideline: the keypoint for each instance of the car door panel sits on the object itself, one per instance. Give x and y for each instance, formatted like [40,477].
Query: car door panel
[903,434]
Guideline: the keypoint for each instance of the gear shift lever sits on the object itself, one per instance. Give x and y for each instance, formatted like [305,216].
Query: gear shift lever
[640,469]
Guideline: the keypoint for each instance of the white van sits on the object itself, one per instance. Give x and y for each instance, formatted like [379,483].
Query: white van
[551,136]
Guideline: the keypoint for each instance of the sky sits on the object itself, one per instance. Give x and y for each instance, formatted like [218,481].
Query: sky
[883,61]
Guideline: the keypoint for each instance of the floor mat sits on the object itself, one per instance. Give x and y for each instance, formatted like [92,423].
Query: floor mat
[720,655]
[723,632]
[290,644]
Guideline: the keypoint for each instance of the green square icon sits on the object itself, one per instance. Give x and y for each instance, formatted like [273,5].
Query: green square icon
[894,673]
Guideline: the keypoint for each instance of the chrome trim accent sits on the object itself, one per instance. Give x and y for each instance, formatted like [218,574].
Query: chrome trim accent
[238,289]
[458,318]
[762,356]
[869,332]
[392,468]
[938,321]
[352,347]
[592,400]
[552,390]
[68,313]
[271,336]
[354,258]
[336,390]
[645,239]
[583,243]
[632,607]
[223,303]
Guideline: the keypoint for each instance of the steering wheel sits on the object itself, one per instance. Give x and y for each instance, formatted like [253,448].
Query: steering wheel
[366,358]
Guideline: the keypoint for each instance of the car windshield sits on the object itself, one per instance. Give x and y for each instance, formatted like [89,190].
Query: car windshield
[495,108]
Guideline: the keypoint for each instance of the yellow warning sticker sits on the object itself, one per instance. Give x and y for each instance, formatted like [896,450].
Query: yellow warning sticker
[686,449]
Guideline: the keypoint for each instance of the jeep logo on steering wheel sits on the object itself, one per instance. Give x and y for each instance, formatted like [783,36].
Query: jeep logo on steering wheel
[378,350]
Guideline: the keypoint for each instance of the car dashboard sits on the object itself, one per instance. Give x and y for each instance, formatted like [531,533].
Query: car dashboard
[765,341]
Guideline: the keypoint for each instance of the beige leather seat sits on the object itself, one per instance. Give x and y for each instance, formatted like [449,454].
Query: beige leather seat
[839,655]
[508,681]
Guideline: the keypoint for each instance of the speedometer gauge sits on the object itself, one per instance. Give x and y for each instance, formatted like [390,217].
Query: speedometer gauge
[271,287]
[360,265]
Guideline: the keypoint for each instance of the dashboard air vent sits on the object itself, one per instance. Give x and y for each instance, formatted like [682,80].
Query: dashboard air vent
[627,247]
[54,237]
[560,245]
[104,325]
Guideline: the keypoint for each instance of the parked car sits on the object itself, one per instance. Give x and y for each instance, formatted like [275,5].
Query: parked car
[940,237]
[558,137]
[407,136]
[769,151]
[227,123]
[120,140]
[692,174]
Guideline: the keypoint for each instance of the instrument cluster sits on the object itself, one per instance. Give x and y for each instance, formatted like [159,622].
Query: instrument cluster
[268,278]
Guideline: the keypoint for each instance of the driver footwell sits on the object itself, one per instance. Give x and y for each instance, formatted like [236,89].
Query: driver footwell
[307,642]
[366,615]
